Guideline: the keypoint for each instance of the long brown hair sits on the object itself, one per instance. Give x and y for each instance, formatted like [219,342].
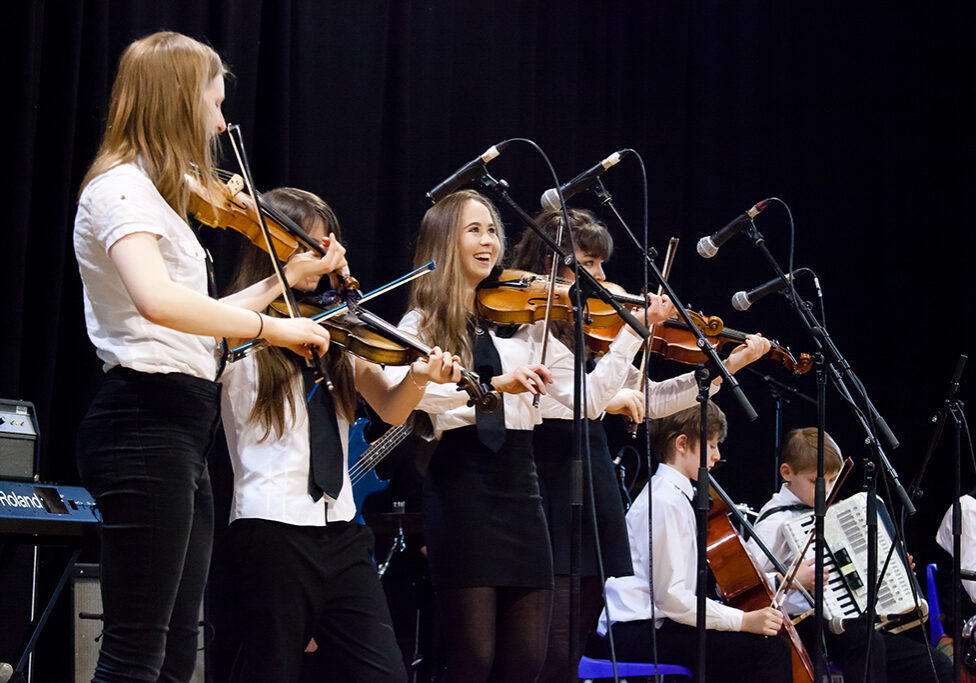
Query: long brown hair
[440,296]
[590,235]
[279,370]
[157,114]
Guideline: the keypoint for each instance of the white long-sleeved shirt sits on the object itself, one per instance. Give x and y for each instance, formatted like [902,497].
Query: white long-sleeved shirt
[675,562]
[271,476]
[967,541]
[447,405]
[770,530]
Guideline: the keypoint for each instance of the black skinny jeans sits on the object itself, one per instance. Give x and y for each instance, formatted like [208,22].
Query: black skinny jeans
[142,453]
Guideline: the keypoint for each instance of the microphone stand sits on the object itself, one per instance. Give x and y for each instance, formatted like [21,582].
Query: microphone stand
[781,394]
[703,374]
[954,407]
[586,287]
[839,370]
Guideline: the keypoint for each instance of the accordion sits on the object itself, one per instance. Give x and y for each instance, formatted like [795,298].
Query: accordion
[845,558]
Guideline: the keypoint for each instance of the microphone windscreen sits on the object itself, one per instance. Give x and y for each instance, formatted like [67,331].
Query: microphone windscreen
[550,200]
[706,248]
[740,301]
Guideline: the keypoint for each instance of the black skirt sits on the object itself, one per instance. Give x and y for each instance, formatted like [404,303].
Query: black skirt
[553,448]
[483,519]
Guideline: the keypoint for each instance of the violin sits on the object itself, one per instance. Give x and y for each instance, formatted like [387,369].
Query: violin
[373,339]
[518,297]
[229,206]
[674,340]
[742,582]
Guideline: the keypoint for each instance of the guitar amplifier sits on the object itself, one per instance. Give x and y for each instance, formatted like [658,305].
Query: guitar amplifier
[18,440]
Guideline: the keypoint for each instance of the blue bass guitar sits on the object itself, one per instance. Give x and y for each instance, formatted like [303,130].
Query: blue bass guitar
[364,457]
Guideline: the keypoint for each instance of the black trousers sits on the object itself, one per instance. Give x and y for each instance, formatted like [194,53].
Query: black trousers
[296,583]
[895,657]
[142,454]
[729,656]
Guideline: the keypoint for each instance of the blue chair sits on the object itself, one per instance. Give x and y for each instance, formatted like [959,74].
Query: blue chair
[936,630]
[603,668]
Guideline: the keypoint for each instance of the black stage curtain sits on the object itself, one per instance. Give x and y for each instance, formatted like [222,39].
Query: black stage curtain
[859,115]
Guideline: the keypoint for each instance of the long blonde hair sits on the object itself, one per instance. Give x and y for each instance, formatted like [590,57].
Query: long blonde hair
[157,114]
[440,296]
[279,370]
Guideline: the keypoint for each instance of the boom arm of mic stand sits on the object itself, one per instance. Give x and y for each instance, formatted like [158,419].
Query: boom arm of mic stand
[819,334]
[588,285]
[707,349]
[883,461]
[703,345]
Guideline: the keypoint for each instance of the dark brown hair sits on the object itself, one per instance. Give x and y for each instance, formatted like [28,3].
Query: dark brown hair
[688,422]
[589,234]
[279,370]
[532,254]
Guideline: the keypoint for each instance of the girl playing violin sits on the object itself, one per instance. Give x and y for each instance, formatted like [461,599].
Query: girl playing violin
[142,445]
[485,529]
[305,567]
[552,440]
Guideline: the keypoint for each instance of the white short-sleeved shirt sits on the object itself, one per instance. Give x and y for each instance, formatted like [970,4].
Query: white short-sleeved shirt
[117,203]
[271,477]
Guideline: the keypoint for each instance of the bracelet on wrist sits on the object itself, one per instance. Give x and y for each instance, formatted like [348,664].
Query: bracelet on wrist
[261,328]
[422,387]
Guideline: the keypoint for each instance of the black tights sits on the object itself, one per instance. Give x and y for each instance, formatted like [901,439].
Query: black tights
[494,634]
[558,666]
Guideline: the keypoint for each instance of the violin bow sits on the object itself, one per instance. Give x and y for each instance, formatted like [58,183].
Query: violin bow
[244,350]
[550,295]
[318,362]
[795,567]
[666,273]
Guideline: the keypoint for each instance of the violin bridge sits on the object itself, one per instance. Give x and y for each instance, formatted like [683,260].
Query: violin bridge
[235,184]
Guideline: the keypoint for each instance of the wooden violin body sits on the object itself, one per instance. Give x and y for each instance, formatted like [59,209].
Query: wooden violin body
[673,340]
[743,584]
[376,341]
[518,297]
[231,207]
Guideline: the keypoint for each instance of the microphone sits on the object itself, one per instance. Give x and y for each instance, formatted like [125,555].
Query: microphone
[6,672]
[708,246]
[584,181]
[839,625]
[466,174]
[741,301]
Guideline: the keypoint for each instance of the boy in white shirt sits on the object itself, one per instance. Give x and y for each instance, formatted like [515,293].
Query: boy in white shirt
[894,657]
[738,646]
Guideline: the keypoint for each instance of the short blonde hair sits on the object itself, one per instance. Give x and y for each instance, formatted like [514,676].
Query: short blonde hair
[800,451]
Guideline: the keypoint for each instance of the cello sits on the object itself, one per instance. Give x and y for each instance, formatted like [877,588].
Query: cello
[740,580]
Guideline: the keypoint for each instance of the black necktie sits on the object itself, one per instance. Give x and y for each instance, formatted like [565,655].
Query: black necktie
[325,446]
[490,426]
